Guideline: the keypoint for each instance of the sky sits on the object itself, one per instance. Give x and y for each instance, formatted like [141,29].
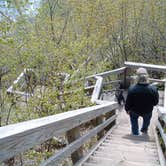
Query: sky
[12,13]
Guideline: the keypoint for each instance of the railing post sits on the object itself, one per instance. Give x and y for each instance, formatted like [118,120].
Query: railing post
[165,96]
[9,162]
[108,115]
[100,120]
[126,80]
[72,135]
[97,89]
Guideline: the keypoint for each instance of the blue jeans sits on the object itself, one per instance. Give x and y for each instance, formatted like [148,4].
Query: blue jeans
[134,122]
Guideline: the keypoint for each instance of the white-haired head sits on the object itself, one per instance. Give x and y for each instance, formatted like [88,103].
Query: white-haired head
[142,76]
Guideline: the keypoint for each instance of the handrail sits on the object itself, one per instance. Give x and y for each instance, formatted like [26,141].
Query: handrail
[19,137]
[100,82]
[64,153]
[162,124]
[25,135]
[107,73]
[165,96]
[147,66]
[22,136]
[97,89]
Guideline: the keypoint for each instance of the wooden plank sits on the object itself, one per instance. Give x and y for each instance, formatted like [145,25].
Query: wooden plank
[129,143]
[102,161]
[165,96]
[160,110]
[89,87]
[107,116]
[88,164]
[19,137]
[159,150]
[121,146]
[157,80]
[64,153]
[128,156]
[163,135]
[127,80]
[101,102]
[147,66]
[130,137]
[161,113]
[72,135]
[115,82]
[100,120]
[97,89]
[10,89]
[94,148]
[107,73]
[127,150]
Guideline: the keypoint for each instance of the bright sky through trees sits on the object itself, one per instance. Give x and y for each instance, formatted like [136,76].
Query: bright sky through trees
[6,8]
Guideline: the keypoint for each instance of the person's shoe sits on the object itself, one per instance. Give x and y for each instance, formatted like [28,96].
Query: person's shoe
[135,134]
[145,132]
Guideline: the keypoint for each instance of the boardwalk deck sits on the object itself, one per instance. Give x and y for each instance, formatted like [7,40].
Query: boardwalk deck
[120,148]
[117,148]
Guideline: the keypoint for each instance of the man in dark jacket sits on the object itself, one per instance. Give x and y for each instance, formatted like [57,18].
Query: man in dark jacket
[140,101]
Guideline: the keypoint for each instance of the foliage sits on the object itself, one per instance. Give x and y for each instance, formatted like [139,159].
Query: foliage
[78,37]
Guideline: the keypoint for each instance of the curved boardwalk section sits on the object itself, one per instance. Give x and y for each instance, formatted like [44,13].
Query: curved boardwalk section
[120,148]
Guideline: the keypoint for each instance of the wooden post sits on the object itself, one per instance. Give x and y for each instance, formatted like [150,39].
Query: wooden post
[108,115]
[100,120]
[165,96]
[72,135]
[10,162]
[126,78]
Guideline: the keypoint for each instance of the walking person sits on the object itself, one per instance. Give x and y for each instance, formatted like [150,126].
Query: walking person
[140,100]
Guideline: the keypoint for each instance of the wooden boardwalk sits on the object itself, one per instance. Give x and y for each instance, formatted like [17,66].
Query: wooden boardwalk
[120,148]
[117,147]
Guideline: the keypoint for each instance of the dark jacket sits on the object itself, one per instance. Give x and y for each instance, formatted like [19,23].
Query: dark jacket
[141,98]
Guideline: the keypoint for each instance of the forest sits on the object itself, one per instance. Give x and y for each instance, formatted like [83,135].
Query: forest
[61,41]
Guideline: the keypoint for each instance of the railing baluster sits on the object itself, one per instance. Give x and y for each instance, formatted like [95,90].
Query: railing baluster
[109,115]
[72,135]
[165,96]
[100,120]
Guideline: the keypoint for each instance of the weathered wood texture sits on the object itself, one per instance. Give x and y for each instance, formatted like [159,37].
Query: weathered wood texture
[114,82]
[72,135]
[108,115]
[165,96]
[57,158]
[157,80]
[21,76]
[97,89]
[162,133]
[100,120]
[147,66]
[120,148]
[159,150]
[19,137]
[107,73]
[127,79]
[161,124]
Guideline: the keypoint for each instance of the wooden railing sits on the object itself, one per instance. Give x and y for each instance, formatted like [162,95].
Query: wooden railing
[161,126]
[17,138]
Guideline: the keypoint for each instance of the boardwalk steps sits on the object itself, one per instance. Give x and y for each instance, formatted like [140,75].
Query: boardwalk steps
[116,147]
[120,148]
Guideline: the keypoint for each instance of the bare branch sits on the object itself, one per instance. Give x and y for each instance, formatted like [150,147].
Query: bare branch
[7,17]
